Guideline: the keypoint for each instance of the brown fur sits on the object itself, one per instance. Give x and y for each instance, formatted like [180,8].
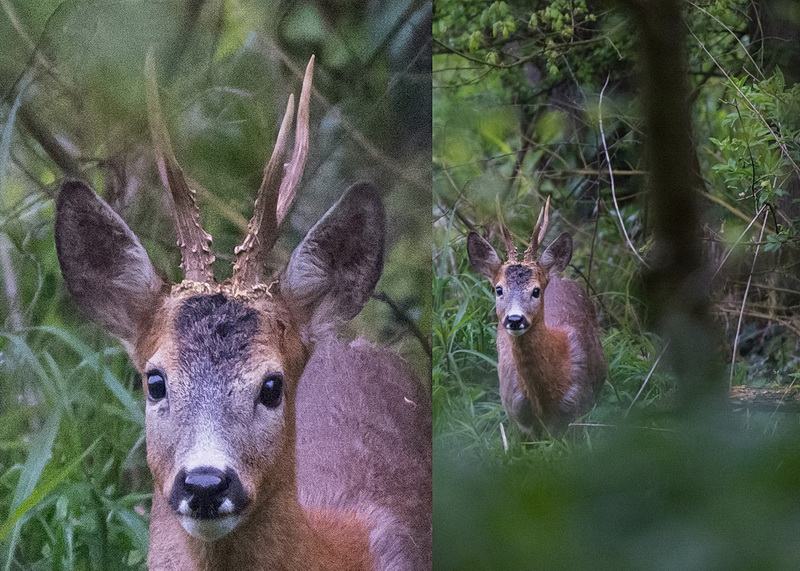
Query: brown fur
[361,406]
[281,536]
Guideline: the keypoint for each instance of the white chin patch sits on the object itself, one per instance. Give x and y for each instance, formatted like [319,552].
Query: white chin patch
[516,332]
[209,529]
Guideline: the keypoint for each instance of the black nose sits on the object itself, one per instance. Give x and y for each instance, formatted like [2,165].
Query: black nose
[203,488]
[206,482]
[515,322]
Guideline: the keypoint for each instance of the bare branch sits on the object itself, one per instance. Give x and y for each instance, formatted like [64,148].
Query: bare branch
[611,176]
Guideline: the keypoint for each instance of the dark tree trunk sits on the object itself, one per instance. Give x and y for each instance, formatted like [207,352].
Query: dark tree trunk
[676,282]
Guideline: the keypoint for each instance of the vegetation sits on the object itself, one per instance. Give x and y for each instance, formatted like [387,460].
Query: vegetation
[549,99]
[74,486]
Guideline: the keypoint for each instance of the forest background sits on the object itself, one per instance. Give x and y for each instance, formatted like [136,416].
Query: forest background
[691,261]
[74,486]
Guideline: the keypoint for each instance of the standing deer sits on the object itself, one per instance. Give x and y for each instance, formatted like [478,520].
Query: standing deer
[261,457]
[550,361]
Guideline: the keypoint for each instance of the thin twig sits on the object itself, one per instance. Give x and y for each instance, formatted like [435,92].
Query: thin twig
[406,320]
[503,436]
[791,326]
[606,425]
[647,378]
[744,299]
[611,176]
[736,243]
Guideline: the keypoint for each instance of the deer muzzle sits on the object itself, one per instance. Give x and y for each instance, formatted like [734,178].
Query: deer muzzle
[208,501]
[516,324]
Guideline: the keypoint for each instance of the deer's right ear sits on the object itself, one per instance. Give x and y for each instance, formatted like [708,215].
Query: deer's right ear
[106,269]
[333,271]
[482,256]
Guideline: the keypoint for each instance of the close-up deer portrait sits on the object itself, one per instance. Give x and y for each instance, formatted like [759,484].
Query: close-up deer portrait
[272,443]
[549,358]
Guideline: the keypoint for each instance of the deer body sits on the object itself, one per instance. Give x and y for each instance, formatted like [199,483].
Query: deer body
[272,444]
[550,361]
[554,371]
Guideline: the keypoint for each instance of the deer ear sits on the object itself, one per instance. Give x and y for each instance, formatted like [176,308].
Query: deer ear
[482,256]
[557,255]
[333,271]
[106,269]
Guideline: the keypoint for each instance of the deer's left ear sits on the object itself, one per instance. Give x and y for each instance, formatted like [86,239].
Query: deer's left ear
[104,265]
[557,255]
[333,271]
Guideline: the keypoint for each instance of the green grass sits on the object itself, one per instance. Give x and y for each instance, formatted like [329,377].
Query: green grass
[74,478]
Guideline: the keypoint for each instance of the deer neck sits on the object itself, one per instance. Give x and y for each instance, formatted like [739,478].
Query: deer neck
[541,356]
[278,535]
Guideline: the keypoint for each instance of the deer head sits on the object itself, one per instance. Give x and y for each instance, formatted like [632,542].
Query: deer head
[220,362]
[520,285]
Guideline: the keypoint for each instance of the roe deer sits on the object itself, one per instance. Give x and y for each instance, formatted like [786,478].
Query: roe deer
[550,361]
[260,459]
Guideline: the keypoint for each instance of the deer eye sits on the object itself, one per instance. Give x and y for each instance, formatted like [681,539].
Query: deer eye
[271,390]
[156,385]
[499,291]
[536,292]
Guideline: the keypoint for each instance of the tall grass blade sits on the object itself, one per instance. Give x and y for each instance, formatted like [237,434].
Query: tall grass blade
[39,493]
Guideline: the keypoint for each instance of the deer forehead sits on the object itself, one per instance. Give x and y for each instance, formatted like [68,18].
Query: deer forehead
[214,341]
[516,275]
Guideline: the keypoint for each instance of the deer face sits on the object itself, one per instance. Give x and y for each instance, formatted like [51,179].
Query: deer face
[219,392]
[519,286]
[519,294]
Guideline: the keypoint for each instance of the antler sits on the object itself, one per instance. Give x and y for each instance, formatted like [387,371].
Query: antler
[277,190]
[511,249]
[194,242]
[538,233]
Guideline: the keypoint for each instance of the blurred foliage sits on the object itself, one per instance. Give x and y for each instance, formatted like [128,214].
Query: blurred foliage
[73,480]
[542,99]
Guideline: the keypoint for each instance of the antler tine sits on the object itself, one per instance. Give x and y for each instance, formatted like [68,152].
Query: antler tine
[539,230]
[262,231]
[277,188]
[194,242]
[511,249]
[295,168]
